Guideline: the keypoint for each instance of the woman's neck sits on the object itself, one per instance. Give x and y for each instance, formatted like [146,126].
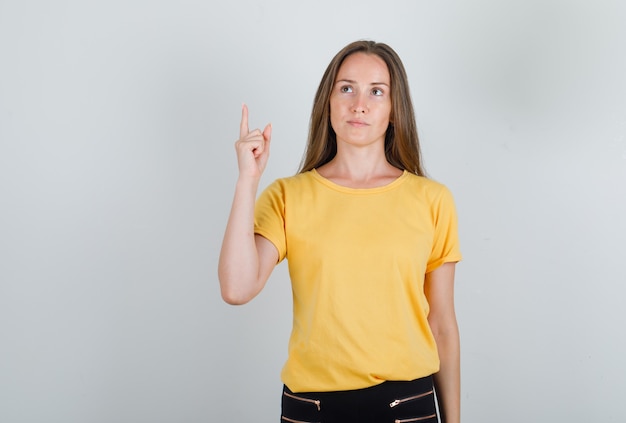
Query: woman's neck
[359,171]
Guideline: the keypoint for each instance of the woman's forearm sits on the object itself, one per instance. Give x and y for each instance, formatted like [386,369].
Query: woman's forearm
[448,379]
[238,268]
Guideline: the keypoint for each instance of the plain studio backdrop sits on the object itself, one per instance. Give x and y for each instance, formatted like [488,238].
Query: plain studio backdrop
[117,169]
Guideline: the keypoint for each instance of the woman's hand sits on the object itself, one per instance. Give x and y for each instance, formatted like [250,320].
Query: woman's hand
[253,148]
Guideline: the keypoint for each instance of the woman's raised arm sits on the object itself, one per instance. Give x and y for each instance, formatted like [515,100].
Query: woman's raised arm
[246,260]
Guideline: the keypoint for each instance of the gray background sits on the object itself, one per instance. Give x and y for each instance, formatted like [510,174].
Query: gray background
[117,167]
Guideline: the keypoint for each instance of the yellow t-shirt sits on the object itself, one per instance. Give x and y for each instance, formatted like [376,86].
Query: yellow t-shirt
[357,260]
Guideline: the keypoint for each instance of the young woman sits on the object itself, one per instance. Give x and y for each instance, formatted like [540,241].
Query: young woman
[371,245]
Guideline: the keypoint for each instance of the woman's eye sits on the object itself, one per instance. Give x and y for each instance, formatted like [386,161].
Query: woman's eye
[346,89]
[377,91]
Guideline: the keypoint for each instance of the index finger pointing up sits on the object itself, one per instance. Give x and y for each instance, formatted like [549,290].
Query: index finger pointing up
[243,128]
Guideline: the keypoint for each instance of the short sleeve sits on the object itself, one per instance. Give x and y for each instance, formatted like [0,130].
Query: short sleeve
[269,217]
[446,246]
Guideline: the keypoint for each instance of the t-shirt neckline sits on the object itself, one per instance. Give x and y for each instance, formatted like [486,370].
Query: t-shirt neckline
[375,190]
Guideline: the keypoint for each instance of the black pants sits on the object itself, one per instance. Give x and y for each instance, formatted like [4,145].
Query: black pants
[389,402]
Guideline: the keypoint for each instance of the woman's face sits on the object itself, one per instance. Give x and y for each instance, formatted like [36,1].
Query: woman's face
[360,102]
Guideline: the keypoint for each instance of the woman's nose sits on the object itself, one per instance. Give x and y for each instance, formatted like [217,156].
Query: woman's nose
[360,105]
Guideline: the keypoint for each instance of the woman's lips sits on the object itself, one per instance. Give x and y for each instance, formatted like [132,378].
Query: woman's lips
[357,123]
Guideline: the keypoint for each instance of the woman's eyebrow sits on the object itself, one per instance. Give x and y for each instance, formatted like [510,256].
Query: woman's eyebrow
[350,81]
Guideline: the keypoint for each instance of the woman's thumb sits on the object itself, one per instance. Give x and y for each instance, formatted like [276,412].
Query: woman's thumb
[267,132]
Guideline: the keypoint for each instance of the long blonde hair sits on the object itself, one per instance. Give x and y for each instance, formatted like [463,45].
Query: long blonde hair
[402,148]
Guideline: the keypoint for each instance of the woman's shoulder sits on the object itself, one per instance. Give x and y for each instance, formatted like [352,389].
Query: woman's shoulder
[431,192]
